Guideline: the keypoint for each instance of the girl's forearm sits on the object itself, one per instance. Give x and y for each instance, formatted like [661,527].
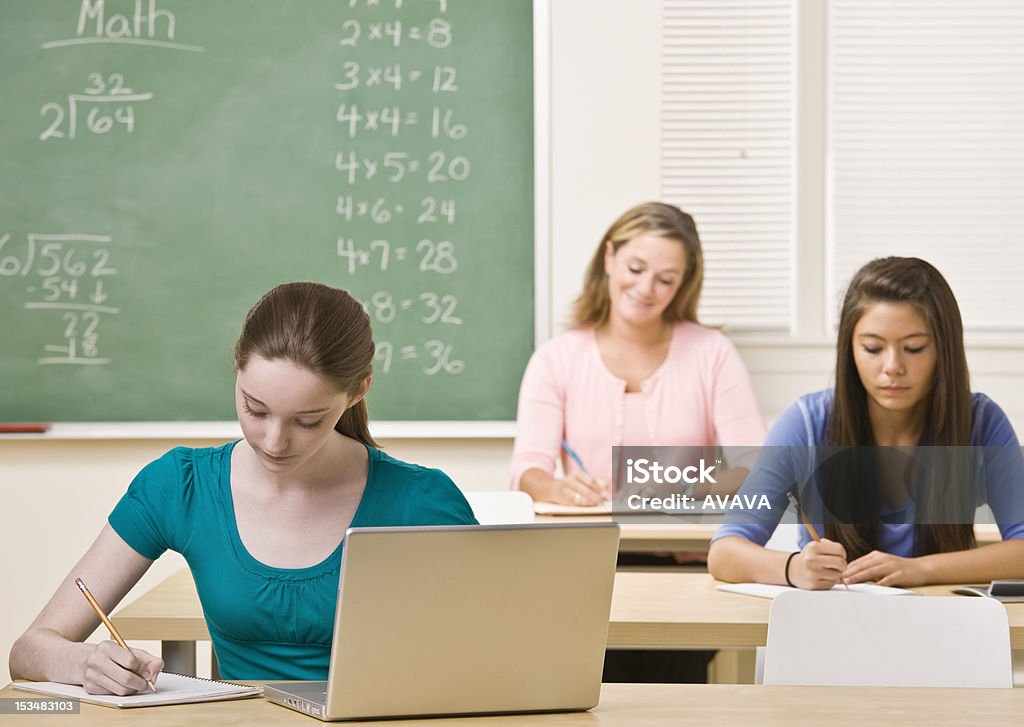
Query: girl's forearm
[987,563]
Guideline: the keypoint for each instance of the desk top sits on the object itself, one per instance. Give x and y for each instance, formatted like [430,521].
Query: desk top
[682,610]
[696,536]
[636,537]
[626,705]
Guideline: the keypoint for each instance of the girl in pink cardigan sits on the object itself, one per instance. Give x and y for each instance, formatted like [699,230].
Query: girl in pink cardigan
[636,368]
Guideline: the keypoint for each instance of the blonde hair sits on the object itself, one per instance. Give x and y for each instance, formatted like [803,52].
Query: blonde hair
[593,305]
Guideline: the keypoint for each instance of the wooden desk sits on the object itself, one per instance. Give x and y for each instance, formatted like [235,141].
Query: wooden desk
[639,537]
[648,537]
[652,538]
[653,610]
[626,705]
[685,610]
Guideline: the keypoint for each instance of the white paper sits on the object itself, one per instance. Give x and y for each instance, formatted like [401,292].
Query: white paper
[765,590]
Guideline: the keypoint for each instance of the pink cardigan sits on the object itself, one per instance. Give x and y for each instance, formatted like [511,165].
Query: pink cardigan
[700,395]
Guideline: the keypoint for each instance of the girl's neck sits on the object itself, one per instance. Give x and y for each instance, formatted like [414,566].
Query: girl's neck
[331,463]
[897,428]
[656,333]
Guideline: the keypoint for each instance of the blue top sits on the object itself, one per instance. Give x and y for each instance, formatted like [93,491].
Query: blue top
[266,623]
[788,457]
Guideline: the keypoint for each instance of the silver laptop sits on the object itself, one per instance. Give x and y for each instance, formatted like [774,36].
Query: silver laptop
[466,620]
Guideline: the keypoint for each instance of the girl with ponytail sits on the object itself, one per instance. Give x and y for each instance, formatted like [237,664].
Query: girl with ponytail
[260,521]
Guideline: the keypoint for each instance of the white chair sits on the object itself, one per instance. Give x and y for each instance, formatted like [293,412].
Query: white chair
[501,507]
[786,537]
[852,639]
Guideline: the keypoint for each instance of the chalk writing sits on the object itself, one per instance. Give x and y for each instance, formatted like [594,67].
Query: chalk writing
[147,25]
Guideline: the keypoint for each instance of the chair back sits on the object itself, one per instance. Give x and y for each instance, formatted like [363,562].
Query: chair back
[501,507]
[852,639]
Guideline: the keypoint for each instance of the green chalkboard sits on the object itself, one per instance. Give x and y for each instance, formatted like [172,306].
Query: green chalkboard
[165,162]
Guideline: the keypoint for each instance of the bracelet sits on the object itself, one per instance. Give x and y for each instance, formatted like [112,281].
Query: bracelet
[788,561]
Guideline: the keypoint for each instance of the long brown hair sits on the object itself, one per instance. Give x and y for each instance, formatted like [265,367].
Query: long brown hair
[593,306]
[322,329]
[948,414]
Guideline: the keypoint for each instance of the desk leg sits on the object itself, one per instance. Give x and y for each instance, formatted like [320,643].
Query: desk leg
[179,656]
[732,666]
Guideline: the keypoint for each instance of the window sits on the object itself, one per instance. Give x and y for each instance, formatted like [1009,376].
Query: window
[911,143]
[926,122]
[727,129]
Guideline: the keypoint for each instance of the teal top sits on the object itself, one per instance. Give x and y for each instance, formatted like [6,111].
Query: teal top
[266,623]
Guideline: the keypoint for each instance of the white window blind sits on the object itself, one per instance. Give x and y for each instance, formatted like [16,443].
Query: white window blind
[727,150]
[926,128]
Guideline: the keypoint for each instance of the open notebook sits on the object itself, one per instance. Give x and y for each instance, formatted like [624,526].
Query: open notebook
[764,590]
[170,689]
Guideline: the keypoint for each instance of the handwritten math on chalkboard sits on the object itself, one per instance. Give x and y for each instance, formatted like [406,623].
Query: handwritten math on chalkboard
[165,162]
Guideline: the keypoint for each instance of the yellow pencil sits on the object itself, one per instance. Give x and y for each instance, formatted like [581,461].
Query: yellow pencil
[809,526]
[106,621]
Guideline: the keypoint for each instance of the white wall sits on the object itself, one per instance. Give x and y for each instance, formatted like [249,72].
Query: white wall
[604,128]
[604,158]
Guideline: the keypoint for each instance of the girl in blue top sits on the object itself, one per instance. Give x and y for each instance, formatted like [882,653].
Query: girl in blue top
[901,381]
[260,521]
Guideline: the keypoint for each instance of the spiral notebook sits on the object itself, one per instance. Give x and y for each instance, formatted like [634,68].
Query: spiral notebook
[170,689]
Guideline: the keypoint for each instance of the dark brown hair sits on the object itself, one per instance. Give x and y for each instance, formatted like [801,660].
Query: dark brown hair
[949,412]
[322,329]
[593,305]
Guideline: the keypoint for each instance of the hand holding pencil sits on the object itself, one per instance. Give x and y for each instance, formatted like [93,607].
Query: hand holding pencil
[116,670]
[578,487]
[821,562]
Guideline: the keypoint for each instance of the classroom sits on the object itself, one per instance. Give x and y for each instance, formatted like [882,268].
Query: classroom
[611,127]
